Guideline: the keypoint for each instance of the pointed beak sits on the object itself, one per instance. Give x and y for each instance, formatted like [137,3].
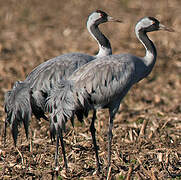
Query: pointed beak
[162,27]
[111,19]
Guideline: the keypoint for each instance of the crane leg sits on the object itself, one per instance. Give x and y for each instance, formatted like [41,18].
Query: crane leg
[112,113]
[5,126]
[63,148]
[56,153]
[110,135]
[93,130]
[52,132]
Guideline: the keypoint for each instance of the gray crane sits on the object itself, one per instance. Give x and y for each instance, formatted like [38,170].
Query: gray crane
[101,83]
[28,96]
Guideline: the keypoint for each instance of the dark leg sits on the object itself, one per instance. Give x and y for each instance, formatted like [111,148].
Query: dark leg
[26,125]
[112,113]
[63,149]
[5,126]
[110,140]
[56,154]
[93,130]
[52,131]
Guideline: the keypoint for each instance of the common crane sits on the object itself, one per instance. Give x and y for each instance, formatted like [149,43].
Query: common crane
[28,96]
[101,83]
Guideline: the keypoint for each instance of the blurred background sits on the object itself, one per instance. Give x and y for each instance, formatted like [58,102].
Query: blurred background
[32,32]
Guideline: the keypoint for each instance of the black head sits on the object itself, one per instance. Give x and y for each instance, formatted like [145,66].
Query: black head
[155,25]
[98,17]
[148,24]
[102,14]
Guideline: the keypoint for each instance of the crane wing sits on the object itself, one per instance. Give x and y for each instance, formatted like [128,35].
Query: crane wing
[51,72]
[57,68]
[105,79]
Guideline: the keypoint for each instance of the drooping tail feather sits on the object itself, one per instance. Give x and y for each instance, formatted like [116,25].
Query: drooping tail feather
[64,100]
[18,108]
[61,104]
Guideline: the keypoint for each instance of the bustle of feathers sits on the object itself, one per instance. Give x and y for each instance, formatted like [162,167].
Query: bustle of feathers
[62,101]
[18,108]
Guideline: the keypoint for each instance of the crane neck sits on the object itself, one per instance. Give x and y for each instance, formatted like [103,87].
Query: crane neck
[151,53]
[104,44]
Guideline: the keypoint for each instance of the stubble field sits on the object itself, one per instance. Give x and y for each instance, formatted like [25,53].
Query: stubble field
[147,129]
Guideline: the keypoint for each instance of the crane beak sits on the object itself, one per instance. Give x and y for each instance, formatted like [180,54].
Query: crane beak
[162,27]
[111,19]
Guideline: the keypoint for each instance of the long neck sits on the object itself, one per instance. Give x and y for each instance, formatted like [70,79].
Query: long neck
[103,42]
[151,54]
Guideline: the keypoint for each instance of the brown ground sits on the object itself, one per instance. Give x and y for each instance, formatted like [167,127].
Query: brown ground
[147,129]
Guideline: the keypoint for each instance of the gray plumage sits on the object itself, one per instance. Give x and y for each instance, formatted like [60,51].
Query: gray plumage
[17,108]
[102,83]
[38,81]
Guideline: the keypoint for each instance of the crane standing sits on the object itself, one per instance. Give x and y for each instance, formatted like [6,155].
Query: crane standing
[102,83]
[28,96]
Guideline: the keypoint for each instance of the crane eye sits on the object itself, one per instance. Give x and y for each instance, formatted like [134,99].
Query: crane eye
[101,15]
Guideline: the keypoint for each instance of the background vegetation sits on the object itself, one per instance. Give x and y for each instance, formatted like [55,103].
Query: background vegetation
[147,129]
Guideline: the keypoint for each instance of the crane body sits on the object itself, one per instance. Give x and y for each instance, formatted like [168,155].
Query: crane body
[37,82]
[102,83]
